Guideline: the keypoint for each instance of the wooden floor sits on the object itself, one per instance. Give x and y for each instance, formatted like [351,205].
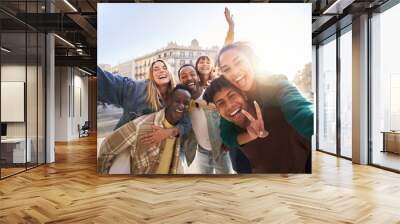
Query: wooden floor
[70,191]
[387,159]
[10,171]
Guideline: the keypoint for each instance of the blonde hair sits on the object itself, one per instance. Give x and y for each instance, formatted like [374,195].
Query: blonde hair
[153,94]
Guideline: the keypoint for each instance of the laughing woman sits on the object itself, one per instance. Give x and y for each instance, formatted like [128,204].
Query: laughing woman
[289,116]
[139,97]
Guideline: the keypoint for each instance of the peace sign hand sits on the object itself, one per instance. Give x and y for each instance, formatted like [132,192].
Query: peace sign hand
[256,127]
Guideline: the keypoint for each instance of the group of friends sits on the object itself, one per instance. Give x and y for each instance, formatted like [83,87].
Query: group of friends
[226,115]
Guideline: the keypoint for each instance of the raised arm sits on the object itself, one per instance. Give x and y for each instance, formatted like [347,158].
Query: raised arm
[114,89]
[229,19]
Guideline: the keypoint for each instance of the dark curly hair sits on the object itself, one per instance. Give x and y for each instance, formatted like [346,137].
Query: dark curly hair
[216,86]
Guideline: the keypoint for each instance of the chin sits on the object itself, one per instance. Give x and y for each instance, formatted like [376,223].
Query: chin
[239,122]
[178,117]
[245,87]
[193,89]
[163,82]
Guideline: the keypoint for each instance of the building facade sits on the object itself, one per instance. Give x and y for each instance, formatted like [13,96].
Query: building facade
[126,69]
[175,55]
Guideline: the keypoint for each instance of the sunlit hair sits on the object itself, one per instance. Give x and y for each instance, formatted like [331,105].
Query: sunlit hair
[243,47]
[153,94]
[211,76]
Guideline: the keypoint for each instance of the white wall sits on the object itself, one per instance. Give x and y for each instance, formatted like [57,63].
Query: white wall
[61,103]
[70,83]
[33,126]
[13,73]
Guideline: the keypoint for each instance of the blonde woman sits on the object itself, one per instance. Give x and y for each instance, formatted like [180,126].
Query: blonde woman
[139,97]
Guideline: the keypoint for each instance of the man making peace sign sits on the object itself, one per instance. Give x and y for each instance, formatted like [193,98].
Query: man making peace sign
[272,145]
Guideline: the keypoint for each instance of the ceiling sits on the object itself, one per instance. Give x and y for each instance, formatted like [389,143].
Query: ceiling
[76,22]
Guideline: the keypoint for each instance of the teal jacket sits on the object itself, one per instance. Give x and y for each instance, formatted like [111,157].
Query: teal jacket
[272,91]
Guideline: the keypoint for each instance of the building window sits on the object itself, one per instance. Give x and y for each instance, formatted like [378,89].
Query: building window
[170,53]
[346,94]
[182,62]
[327,96]
[182,54]
[191,53]
[30,73]
[385,88]
[165,55]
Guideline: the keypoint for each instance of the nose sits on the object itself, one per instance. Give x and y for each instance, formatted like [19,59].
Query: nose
[189,78]
[162,70]
[235,73]
[230,106]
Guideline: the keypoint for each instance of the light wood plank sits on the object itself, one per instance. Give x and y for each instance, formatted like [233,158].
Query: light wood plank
[70,191]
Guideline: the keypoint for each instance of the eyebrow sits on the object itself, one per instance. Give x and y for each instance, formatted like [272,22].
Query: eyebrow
[236,59]
[224,66]
[218,101]
[230,91]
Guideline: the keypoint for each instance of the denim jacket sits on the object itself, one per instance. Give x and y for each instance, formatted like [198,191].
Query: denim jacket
[190,143]
[131,96]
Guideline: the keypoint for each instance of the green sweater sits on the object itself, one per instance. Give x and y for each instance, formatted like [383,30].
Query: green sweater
[272,91]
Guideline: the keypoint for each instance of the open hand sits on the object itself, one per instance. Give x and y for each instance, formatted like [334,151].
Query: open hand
[155,136]
[229,17]
[256,127]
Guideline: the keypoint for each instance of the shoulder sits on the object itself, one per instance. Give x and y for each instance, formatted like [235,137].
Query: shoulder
[146,118]
[225,124]
[137,83]
[272,79]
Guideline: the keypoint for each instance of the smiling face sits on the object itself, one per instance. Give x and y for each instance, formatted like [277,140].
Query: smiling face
[177,106]
[189,78]
[237,69]
[229,104]
[204,66]
[160,73]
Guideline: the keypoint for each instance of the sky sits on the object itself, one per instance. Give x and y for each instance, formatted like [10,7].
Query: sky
[279,33]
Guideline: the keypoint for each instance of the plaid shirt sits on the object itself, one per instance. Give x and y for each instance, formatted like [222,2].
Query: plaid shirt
[144,160]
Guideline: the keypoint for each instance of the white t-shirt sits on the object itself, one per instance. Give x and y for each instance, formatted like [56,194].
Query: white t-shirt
[199,125]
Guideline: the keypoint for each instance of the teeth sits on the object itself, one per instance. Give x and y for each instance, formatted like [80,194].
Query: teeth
[239,78]
[191,84]
[179,111]
[235,112]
